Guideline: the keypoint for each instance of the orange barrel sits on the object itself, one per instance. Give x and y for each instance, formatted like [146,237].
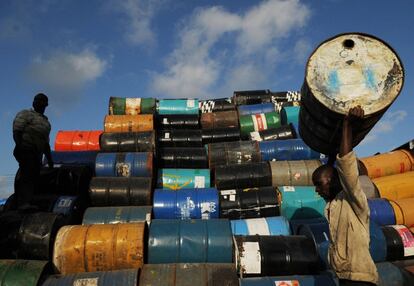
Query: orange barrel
[220,119]
[386,164]
[404,211]
[77,140]
[395,187]
[129,123]
[293,173]
[99,247]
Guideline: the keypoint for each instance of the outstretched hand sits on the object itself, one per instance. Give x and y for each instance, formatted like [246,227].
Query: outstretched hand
[355,113]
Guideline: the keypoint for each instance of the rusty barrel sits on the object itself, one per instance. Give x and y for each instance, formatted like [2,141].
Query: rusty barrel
[293,173]
[120,191]
[129,123]
[404,211]
[236,152]
[131,105]
[395,186]
[99,247]
[386,164]
[77,140]
[220,119]
[344,71]
[189,274]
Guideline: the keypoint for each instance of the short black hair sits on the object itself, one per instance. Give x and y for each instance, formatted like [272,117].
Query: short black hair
[41,97]
[322,170]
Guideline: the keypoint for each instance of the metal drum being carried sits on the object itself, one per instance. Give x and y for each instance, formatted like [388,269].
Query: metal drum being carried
[344,71]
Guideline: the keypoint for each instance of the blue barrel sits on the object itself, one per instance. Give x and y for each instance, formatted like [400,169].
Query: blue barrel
[200,203]
[176,179]
[302,280]
[256,108]
[110,215]
[290,149]
[178,106]
[127,277]
[290,114]
[381,211]
[277,225]
[74,158]
[391,275]
[187,241]
[377,244]
[301,202]
[137,164]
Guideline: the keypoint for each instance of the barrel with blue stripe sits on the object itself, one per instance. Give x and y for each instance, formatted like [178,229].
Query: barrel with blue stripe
[277,225]
[120,214]
[290,149]
[176,179]
[381,211]
[190,241]
[301,202]
[377,243]
[256,108]
[137,164]
[290,114]
[178,106]
[302,280]
[74,158]
[200,203]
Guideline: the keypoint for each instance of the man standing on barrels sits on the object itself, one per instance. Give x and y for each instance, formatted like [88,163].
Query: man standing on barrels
[347,212]
[31,130]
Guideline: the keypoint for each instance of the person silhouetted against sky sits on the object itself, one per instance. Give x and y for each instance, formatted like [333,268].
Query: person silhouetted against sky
[347,211]
[31,129]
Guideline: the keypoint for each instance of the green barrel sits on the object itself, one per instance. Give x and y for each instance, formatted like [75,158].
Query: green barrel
[22,272]
[124,214]
[117,105]
[301,203]
[148,105]
[258,122]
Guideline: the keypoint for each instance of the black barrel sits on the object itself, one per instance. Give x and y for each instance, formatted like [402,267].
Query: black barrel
[275,255]
[344,71]
[214,105]
[71,207]
[245,97]
[220,135]
[285,96]
[237,152]
[249,203]
[178,121]
[180,138]
[182,157]
[37,235]
[127,141]
[243,176]
[10,222]
[44,202]
[133,191]
[395,245]
[280,133]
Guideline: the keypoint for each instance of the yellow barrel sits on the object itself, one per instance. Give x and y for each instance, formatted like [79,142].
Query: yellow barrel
[405,209]
[101,247]
[395,187]
[129,123]
[293,173]
[390,163]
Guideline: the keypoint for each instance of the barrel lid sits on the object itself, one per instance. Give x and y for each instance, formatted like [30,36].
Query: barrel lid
[355,69]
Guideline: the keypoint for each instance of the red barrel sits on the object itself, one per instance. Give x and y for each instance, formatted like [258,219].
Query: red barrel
[77,140]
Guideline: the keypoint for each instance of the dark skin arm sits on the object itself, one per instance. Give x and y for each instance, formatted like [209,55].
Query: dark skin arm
[48,156]
[354,115]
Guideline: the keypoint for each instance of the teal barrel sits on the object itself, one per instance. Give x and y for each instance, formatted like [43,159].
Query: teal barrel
[22,272]
[301,202]
[189,274]
[176,179]
[178,106]
[290,114]
[302,280]
[127,277]
[109,215]
[277,225]
[190,241]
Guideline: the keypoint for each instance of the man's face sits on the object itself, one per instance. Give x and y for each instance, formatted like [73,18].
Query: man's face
[323,185]
[40,105]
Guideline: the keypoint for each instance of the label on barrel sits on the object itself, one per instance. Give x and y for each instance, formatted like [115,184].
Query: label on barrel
[199,182]
[407,239]
[190,103]
[207,208]
[167,135]
[287,283]
[289,189]
[257,226]
[86,282]
[133,106]
[165,120]
[123,169]
[259,122]
[250,258]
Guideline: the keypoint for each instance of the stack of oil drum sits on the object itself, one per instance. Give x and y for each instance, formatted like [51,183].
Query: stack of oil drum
[209,192]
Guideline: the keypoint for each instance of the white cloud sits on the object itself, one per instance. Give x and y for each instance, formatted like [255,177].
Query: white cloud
[215,44]
[385,125]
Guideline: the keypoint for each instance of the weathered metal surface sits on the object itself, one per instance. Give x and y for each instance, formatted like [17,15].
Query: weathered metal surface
[293,173]
[390,163]
[22,272]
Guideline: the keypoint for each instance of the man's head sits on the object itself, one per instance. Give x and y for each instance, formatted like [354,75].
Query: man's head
[40,102]
[326,181]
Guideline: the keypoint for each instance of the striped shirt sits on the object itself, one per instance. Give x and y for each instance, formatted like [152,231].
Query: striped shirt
[35,128]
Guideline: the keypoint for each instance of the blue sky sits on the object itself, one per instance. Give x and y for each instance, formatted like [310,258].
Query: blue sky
[82,52]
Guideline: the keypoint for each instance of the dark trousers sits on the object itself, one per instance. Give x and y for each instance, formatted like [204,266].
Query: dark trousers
[28,174]
[343,282]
